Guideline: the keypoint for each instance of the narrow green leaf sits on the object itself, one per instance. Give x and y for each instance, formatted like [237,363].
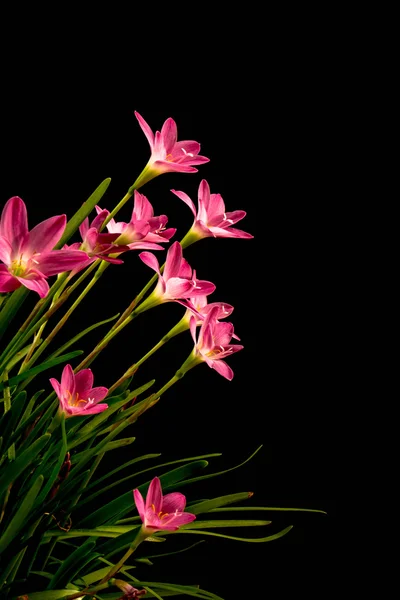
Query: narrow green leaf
[83,212]
[18,521]
[106,489]
[207,505]
[110,446]
[12,471]
[87,430]
[175,551]
[267,508]
[42,367]
[31,404]
[81,335]
[10,418]
[58,465]
[97,575]
[226,523]
[210,475]
[269,538]
[52,594]
[71,566]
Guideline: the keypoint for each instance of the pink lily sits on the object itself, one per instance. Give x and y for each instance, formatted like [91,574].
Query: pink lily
[76,395]
[104,245]
[28,256]
[211,220]
[167,154]
[144,229]
[212,344]
[177,282]
[161,513]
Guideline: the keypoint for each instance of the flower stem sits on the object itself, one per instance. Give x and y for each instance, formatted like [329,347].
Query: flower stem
[103,265]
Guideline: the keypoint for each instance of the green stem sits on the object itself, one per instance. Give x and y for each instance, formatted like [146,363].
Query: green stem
[103,265]
[179,328]
[11,308]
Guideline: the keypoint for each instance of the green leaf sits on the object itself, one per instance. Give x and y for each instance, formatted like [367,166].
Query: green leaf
[120,506]
[18,521]
[188,481]
[110,446]
[42,367]
[11,417]
[73,564]
[13,470]
[32,417]
[207,505]
[82,334]
[225,523]
[59,463]
[9,311]
[83,212]
[97,575]
[106,489]
[269,538]
[267,508]
[51,594]
[87,430]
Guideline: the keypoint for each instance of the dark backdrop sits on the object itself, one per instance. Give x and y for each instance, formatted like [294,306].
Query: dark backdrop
[273,158]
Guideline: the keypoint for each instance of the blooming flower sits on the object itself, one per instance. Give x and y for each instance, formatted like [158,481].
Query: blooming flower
[177,282]
[167,154]
[161,513]
[211,220]
[143,227]
[28,256]
[212,344]
[106,246]
[76,395]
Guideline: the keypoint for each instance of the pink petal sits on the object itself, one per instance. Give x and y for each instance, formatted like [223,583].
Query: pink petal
[174,502]
[142,209]
[178,288]
[45,235]
[203,198]
[5,250]
[185,270]
[146,129]
[224,309]
[203,288]
[8,283]
[145,245]
[169,135]
[223,333]
[150,260]
[56,386]
[38,285]
[68,380]
[193,328]
[94,409]
[173,262]
[154,495]
[60,261]
[178,520]
[138,499]
[216,207]
[97,394]
[186,200]
[164,166]
[14,221]
[189,146]
[231,232]
[83,227]
[84,382]
[223,369]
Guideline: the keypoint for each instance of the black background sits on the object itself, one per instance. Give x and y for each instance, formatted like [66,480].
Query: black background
[275,157]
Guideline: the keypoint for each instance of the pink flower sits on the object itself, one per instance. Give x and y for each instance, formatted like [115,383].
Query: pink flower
[177,282]
[144,230]
[198,306]
[213,343]
[130,593]
[167,154]
[76,395]
[106,246]
[28,256]
[161,513]
[211,220]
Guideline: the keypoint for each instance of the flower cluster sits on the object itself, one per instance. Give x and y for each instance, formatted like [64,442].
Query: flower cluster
[50,448]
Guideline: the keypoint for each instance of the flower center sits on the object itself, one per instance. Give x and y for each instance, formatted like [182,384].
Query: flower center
[18,267]
[161,514]
[74,400]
